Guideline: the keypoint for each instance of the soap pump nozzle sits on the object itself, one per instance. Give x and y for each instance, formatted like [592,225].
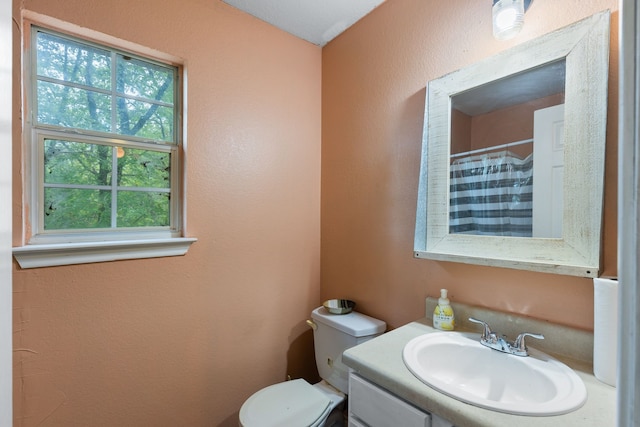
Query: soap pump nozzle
[443,300]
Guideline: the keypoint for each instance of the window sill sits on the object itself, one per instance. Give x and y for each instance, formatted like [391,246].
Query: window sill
[49,255]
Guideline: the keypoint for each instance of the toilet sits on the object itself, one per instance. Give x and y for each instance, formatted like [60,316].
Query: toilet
[297,403]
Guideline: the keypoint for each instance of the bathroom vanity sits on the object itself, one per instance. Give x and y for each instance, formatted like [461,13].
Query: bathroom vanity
[383,392]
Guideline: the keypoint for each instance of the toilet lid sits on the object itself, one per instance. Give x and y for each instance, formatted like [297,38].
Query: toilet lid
[291,403]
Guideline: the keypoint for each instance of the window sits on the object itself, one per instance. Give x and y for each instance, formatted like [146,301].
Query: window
[104,143]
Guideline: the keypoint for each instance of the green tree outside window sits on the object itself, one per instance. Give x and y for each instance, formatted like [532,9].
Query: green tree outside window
[108,126]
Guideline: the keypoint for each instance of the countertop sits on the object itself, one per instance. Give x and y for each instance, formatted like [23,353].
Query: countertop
[380,361]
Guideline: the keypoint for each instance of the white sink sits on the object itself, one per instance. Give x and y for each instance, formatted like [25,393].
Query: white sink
[457,365]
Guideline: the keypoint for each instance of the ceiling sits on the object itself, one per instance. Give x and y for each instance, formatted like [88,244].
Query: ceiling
[317,21]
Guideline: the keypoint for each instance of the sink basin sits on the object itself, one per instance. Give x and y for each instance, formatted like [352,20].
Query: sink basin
[457,365]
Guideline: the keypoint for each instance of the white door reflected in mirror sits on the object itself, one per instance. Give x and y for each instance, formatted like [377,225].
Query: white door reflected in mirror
[548,172]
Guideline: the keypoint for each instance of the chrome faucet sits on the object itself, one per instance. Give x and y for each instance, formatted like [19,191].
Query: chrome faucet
[492,340]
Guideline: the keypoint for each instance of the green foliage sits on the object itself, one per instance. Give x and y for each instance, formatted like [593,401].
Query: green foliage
[68,162]
[78,88]
[79,181]
[98,184]
[67,209]
[143,209]
[138,167]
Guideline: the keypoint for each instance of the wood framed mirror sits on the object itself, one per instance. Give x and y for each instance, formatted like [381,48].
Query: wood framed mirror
[574,58]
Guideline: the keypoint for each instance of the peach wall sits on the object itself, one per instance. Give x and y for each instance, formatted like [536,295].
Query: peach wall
[510,124]
[183,341]
[374,78]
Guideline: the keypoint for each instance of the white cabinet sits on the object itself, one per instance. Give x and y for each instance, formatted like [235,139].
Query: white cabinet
[373,406]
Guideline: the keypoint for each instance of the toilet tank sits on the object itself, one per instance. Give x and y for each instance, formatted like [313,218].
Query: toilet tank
[333,334]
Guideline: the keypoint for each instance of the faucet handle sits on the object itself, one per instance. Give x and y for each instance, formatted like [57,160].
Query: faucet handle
[486,332]
[519,346]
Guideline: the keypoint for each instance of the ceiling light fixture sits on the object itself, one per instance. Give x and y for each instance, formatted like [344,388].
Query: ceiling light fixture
[508,17]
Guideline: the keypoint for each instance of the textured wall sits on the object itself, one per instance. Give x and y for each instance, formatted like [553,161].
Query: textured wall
[374,78]
[183,341]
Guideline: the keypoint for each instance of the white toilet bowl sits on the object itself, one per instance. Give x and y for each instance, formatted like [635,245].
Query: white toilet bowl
[294,403]
[299,404]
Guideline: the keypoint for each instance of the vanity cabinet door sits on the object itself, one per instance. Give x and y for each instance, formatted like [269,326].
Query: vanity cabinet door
[372,406]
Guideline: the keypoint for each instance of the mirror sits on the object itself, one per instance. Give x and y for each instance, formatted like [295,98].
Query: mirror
[554,226]
[494,159]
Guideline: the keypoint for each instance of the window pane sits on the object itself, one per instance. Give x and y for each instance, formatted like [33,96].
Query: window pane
[144,168]
[70,61]
[66,102]
[145,80]
[68,162]
[71,107]
[143,209]
[100,115]
[67,209]
[145,120]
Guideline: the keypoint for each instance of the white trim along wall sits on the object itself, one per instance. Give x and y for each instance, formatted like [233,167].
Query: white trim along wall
[6,404]
[628,388]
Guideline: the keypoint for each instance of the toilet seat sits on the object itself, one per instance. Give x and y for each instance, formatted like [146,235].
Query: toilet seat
[291,403]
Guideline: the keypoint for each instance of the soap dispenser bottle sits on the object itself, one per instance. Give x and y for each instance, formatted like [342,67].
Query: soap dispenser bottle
[443,317]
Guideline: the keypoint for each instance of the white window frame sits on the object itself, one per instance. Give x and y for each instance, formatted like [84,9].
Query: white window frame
[60,247]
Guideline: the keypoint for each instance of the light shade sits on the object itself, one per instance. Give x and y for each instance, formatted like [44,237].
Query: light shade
[508,18]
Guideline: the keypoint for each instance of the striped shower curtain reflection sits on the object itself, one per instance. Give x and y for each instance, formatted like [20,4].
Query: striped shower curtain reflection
[491,194]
